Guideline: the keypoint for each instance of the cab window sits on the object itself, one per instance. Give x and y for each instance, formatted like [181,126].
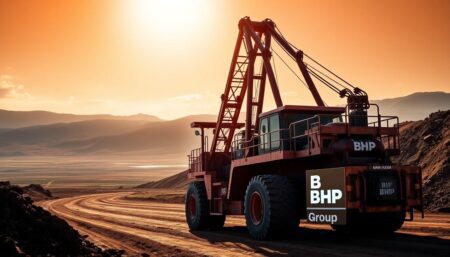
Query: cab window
[264,129]
[270,134]
[274,126]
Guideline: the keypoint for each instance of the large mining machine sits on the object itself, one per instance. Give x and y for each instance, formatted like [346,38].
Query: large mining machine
[323,164]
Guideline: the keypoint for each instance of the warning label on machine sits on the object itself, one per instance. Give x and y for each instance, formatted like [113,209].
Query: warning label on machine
[325,196]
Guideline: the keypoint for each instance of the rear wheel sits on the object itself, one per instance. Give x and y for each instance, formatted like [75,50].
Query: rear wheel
[197,209]
[271,207]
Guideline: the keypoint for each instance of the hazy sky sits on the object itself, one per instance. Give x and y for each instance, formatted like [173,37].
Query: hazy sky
[171,57]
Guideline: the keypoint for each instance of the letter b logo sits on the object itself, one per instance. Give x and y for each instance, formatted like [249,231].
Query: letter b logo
[315,182]
[357,146]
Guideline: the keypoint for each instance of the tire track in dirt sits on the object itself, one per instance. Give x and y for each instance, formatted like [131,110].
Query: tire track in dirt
[159,229]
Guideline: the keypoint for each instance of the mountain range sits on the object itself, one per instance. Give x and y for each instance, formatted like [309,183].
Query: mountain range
[416,106]
[46,133]
[16,119]
[103,137]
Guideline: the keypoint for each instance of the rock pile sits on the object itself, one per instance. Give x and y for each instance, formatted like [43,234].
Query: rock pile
[426,143]
[37,192]
[28,230]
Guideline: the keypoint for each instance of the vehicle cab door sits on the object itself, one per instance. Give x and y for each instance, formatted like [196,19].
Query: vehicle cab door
[270,133]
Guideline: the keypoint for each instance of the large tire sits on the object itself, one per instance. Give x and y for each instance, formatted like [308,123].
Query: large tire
[271,207]
[197,209]
[394,222]
[373,223]
[196,204]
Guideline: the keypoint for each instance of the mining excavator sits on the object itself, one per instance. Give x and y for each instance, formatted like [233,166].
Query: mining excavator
[328,165]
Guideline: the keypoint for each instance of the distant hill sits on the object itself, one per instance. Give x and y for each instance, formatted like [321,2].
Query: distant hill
[144,134]
[173,137]
[178,181]
[61,132]
[416,106]
[17,119]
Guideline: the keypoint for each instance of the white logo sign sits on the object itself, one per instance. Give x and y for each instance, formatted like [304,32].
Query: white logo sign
[328,196]
[330,218]
[363,146]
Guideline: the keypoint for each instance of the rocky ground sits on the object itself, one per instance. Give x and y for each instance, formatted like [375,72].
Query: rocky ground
[36,192]
[426,143]
[28,230]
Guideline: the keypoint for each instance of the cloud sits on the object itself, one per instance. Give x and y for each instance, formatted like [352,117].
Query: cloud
[10,89]
[6,77]
[189,97]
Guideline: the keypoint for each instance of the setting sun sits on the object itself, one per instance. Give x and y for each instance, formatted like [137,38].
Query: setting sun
[167,18]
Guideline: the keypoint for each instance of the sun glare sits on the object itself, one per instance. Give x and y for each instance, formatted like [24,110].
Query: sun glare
[167,18]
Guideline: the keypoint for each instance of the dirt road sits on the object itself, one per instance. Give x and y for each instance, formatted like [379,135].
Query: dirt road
[159,229]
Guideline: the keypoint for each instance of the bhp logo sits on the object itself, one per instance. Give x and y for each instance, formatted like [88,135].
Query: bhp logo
[363,146]
[320,196]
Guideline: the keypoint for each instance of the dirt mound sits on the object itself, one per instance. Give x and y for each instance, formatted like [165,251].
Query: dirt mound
[28,230]
[426,143]
[176,181]
[37,192]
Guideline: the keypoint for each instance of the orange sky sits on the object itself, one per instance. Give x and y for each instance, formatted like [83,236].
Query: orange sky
[171,57]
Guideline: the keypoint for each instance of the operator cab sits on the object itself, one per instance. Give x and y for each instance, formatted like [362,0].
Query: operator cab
[285,128]
[286,125]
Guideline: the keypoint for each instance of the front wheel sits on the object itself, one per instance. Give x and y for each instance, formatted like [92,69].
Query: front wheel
[197,209]
[271,207]
[196,204]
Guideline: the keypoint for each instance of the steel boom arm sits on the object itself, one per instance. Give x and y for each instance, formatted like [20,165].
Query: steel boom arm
[255,39]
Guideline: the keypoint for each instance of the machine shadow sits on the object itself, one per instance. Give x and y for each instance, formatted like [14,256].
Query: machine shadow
[307,241]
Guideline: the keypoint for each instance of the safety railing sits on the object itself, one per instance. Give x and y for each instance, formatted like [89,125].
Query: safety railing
[262,143]
[389,141]
[299,134]
[195,160]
